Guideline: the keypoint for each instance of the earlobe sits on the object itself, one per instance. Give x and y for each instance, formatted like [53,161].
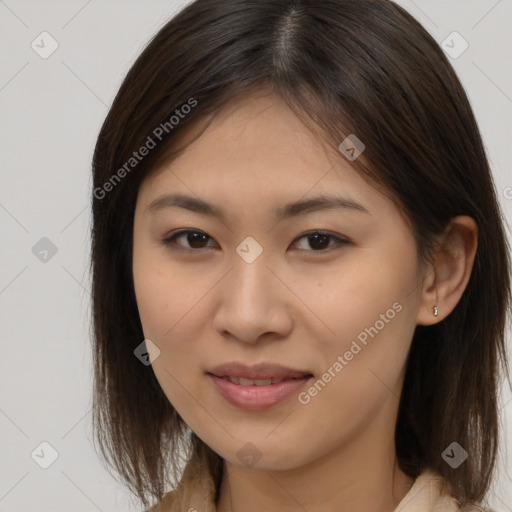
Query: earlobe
[454,260]
[429,308]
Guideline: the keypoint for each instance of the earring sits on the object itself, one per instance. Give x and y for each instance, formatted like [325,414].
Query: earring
[435,307]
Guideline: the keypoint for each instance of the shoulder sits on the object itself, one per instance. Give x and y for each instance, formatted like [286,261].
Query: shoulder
[472,507]
[164,505]
[194,492]
[432,493]
[185,499]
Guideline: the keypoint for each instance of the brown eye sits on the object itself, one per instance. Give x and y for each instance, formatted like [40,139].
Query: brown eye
[194,239]
[318,241]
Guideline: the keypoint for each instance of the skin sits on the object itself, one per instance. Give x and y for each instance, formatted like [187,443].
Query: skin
[298,304]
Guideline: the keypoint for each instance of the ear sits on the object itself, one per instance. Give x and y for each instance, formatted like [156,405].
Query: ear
[453,264]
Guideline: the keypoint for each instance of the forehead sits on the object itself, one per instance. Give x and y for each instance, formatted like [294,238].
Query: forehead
[256,136]
[257,150]
[256,125]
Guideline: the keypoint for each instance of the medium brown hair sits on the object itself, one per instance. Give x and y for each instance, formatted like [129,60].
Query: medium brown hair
[363,67]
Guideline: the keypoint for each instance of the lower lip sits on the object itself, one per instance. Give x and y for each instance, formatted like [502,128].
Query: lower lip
[255,398]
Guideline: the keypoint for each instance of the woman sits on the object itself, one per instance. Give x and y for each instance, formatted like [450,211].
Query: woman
[300,271]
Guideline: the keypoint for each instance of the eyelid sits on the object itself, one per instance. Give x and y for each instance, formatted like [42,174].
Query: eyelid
[168,241]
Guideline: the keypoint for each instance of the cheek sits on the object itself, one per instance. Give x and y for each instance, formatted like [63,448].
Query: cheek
[164,295]
[368,310]
[152,299]
[170,307]
[352,299]
[161,307]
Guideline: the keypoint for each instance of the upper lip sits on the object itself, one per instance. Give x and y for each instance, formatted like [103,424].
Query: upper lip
[257,371]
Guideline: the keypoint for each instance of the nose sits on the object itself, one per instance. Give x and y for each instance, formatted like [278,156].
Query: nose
[254,302]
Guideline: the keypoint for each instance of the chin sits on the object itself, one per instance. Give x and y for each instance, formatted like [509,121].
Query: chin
[264,456]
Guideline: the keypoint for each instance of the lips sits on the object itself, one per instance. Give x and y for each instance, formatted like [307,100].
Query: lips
[257,387]
[263,374]
[254,382]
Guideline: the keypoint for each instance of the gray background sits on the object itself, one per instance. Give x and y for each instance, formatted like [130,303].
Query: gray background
[50,111]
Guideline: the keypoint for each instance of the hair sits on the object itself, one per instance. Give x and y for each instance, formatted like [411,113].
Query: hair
[363,67]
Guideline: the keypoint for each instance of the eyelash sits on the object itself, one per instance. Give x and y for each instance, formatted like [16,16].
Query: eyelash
[170,240]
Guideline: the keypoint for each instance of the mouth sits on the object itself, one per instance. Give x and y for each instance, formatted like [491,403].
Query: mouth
[263,374]
[259,386]
[242,381]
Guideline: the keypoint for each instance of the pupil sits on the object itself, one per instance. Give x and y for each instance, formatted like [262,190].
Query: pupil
[194,238]
[316,237]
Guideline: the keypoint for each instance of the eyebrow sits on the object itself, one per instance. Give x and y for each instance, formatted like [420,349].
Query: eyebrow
[322,202]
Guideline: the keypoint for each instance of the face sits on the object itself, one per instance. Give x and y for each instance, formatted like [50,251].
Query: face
[286,327]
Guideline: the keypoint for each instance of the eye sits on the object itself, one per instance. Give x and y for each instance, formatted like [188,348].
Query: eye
[194,238]
[317,240]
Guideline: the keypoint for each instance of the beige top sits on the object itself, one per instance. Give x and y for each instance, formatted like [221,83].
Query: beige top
[428,494]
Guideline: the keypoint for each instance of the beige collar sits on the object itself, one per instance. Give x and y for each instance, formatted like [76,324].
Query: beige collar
[196,493]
